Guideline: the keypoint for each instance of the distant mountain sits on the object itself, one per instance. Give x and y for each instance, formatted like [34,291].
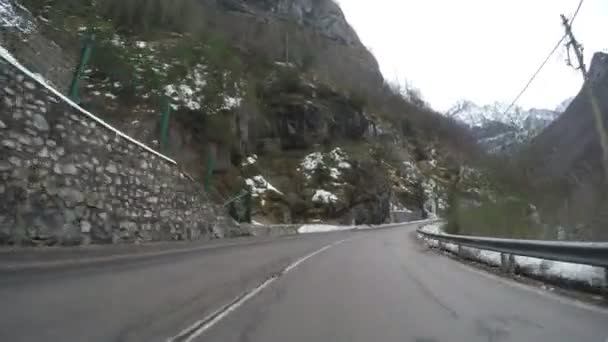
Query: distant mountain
[502,131]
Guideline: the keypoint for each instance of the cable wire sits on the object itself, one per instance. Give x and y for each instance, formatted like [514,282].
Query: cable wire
[559,43]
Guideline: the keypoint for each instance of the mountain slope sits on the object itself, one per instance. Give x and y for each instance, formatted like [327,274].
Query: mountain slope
[565,160]
[255,89]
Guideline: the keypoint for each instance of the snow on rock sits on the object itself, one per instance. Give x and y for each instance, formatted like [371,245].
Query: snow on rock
[323,196]
[435,194]
[252,159]
[188,93]
[334,173]
[259,185]
[338,156]
[398,207]
[231,102]
[344,165]
[11,17]
[335,161]
[412,172]
[321,228]
[312,161]
[118,41]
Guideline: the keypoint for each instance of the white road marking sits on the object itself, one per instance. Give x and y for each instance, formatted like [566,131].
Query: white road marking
[200,327]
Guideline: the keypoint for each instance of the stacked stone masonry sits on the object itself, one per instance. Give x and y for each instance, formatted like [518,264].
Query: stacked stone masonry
[67,180]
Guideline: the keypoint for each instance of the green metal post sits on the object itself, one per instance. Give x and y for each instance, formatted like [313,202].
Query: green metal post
[210,167]
[164,126]
[85,56]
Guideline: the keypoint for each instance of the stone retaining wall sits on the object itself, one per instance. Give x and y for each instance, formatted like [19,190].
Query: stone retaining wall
[67,179]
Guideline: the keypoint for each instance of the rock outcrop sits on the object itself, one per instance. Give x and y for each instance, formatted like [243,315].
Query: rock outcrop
[324,16]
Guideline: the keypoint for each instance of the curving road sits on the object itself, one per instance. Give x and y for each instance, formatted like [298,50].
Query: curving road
[379,285]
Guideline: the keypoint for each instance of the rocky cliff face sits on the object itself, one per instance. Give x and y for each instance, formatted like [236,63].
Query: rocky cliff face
[324,16]
[280,94]
[566,157]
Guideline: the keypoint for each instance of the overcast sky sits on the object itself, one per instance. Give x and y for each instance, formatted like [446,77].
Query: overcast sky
[480,50]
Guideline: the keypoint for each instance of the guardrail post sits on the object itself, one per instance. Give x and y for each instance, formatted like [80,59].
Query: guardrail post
[507,262]
[605,288]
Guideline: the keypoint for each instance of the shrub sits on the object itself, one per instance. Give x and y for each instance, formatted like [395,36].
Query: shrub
[508,218]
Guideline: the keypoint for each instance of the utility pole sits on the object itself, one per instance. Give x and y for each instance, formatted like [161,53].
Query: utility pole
[595,107]
[578,49]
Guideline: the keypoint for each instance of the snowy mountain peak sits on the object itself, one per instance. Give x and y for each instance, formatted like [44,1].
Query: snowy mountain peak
[477,116]
[500,128]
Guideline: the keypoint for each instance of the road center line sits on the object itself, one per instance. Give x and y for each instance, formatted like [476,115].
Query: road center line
[200,327]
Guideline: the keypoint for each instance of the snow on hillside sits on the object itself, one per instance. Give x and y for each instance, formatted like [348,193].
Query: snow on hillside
[11,16]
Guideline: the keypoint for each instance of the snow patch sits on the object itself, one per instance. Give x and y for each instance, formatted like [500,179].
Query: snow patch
[591,275]
[431,242]
[336,160]
[117,41]
[434,228]
[321,228]
[11,18]
[337,155]
[259,185]
[312,161]
[284,65]
[252,159]
[490,257]
[452,247]
[188,93]
[334,173]
[594,276]
[231,102]
[323,196]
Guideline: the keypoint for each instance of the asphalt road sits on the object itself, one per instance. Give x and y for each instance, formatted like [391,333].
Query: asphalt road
[352,286]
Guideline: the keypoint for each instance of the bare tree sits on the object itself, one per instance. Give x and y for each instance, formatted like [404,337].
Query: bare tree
[458,108]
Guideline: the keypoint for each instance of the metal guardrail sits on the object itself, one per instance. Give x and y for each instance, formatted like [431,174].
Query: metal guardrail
[587,253]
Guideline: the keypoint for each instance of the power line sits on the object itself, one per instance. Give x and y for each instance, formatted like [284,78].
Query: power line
[559,43]
[576,12]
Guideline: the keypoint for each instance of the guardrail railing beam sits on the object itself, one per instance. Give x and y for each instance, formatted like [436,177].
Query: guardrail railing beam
[587,253]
